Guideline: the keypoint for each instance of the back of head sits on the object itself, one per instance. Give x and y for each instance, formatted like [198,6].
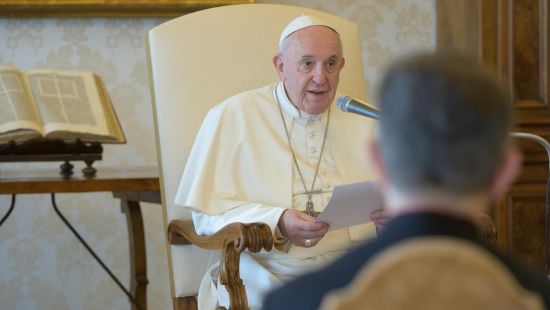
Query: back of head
[445,122]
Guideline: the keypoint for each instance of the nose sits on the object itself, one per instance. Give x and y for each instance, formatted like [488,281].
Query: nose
[319,75]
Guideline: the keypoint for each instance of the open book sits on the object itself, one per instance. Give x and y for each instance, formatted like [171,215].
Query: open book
[66,105]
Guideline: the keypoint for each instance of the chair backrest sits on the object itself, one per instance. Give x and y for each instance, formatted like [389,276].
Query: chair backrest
[200,59]
[433,273]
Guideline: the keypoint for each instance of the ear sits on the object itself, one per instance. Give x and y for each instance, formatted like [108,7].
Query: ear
[278,64]
[507,174]
[343,63]
[376,163]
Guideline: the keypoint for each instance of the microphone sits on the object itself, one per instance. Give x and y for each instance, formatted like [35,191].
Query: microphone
[352,105]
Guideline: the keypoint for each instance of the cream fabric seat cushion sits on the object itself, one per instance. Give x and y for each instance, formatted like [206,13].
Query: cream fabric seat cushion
[434,273]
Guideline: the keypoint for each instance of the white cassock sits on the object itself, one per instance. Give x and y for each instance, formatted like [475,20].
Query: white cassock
[241,169]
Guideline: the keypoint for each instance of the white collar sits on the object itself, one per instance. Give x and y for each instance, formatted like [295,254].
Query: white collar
[280,93]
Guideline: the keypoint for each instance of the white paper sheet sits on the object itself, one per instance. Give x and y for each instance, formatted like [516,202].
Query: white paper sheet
[351,204]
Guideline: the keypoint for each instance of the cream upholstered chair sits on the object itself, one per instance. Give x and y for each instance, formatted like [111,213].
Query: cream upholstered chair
[196,61]
[433,273]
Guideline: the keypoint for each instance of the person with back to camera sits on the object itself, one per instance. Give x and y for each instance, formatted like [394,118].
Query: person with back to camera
[443,154]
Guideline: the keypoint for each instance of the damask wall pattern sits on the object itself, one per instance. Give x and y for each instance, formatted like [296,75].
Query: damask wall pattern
[42,265]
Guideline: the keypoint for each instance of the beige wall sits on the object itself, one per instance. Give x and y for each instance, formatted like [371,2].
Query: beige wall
[42,266]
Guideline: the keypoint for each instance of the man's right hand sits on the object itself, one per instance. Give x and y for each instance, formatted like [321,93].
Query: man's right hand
[298,227]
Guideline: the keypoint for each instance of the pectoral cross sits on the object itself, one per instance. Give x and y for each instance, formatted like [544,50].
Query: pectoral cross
[309,209]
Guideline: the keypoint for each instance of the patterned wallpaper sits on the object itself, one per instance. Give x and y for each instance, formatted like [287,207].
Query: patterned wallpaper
[42,265]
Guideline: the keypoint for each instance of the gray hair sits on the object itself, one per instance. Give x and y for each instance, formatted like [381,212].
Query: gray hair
[445,123]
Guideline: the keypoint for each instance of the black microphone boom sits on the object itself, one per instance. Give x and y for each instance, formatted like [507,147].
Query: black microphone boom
[352,105]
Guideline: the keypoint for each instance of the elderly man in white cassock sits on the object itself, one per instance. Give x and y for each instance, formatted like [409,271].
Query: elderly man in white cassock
[273,155]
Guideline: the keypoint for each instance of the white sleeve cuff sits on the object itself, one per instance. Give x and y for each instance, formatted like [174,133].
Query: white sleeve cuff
[250,213]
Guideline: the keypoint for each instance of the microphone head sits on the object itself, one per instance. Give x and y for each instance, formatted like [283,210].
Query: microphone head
[342,103]
[352,105]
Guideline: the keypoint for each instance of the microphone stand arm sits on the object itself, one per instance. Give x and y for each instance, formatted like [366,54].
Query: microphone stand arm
[375,114]
[546,145]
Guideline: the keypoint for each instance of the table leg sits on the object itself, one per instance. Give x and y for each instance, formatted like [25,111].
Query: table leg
[138,257]
[135,304]
[12,205]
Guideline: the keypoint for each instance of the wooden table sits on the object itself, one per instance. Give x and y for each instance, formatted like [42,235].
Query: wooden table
[131,185]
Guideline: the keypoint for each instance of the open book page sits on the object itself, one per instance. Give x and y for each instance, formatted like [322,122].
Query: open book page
[18,115]
[113,123]
[71,105]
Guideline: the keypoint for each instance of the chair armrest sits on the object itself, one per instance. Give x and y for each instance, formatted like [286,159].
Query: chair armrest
[232,240]
[487,228]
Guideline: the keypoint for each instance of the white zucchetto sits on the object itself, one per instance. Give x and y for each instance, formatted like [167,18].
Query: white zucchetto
[302,22]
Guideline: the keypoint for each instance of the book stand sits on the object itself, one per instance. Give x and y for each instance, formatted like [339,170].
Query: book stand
[54,150]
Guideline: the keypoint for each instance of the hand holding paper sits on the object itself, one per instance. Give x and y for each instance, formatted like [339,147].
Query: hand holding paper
[352,204]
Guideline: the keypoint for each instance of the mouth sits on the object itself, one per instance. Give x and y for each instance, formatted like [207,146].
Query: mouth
[317,92]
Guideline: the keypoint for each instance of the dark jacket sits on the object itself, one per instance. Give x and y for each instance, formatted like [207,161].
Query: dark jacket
[307,291]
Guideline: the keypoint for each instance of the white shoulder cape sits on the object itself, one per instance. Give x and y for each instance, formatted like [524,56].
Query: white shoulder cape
[241,154]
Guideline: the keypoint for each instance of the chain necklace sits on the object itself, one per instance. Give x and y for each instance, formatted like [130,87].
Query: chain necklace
[309,204]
